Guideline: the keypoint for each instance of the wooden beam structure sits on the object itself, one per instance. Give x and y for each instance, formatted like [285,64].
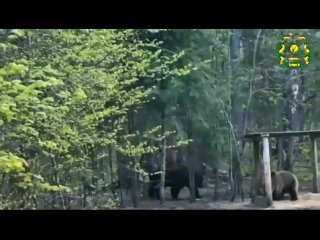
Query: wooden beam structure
[256,137]
[267,169]
[315,133]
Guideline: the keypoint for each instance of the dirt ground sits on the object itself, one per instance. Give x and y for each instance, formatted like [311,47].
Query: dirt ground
[307,200]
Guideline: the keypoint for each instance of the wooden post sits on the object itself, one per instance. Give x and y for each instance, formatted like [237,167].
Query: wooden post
[256,165]
[267,169]
[314,157]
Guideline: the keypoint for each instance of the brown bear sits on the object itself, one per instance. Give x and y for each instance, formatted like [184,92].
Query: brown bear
[284,182]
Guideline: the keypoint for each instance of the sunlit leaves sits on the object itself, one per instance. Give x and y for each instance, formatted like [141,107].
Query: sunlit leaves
[67,91]
[79,96]
[53,188]
[11,163]
[16,34]
[14,68]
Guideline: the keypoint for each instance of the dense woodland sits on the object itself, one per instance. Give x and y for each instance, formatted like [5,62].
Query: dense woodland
[83,111]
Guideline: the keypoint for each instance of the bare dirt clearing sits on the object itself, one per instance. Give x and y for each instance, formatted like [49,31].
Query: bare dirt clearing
[206,204]
[307,201]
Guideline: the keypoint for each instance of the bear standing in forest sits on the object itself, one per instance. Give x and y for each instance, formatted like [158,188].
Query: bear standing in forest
[284,182]
[177,179]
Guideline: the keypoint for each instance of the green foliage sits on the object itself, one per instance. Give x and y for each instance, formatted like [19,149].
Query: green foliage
[111,204]
[63,105]
[11,163]
[19,186]
[303,175]
[193,96]
[68,96]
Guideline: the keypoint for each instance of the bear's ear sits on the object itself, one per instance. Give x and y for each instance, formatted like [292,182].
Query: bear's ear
[204,166]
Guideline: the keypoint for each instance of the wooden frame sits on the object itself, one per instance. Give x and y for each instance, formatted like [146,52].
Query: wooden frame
[264,137]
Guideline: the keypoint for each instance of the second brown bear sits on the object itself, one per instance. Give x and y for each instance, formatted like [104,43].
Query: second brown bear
[284,182]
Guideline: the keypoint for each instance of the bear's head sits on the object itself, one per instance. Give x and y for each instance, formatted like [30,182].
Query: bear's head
[204,173]
[206,170]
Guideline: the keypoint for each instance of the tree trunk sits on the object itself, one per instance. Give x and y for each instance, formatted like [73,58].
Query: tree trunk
[290,116]
[55,179]
[163,162]
[216,187]
[111,168]
[84,195]
[134,179]
[303,111]
[280,153]
[237,112]
[191,165]
[236,107]
[232,182]
[133,172]
[93,164]
[102,169]
[120,176]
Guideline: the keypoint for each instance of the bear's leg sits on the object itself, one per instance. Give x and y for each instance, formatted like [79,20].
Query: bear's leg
[151,191]
[276,196]
[157,193]
[293,195]
[197,193]
[281,195]
[175,192]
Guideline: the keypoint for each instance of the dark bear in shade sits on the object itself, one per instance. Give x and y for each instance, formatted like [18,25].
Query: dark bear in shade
[284,182]
[176,179]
